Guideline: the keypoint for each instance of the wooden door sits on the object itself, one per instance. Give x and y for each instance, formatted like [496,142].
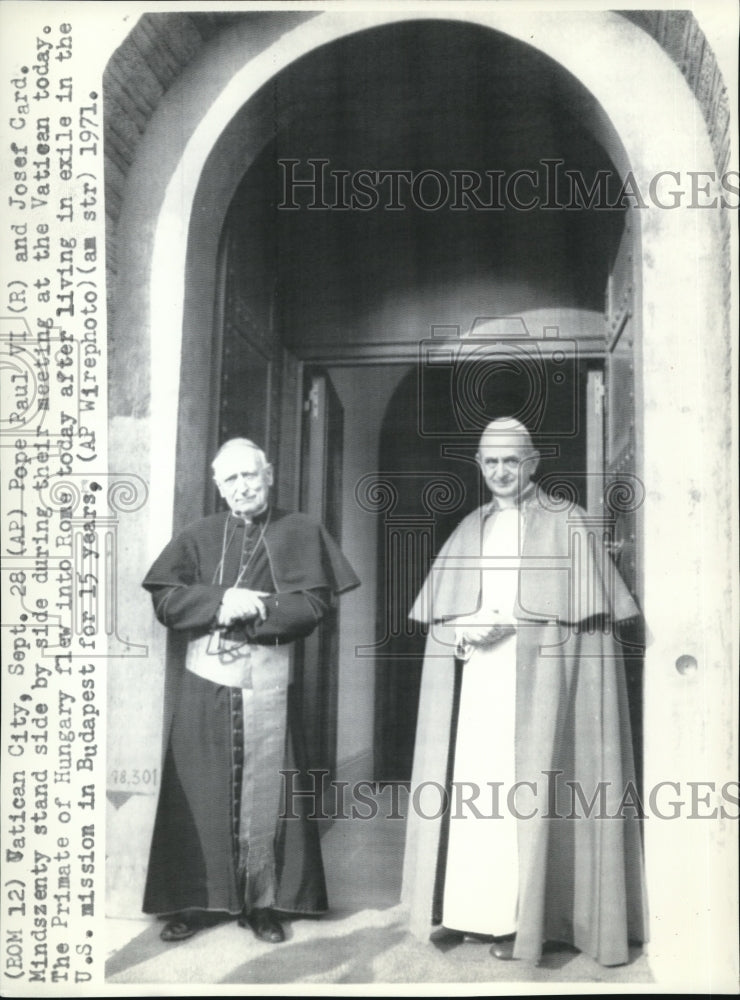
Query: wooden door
[260,393]
[620,445]
[623,492]
[321,498]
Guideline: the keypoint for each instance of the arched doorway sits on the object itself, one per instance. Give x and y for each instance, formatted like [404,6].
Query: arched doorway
[432,237]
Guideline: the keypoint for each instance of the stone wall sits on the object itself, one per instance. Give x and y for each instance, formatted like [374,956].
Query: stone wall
[677,32]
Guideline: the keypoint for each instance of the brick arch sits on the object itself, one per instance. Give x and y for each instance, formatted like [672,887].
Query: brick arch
[162,51]
[160,46]
[161,54]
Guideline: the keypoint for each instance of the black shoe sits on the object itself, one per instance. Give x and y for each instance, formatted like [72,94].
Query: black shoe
[265,925]
[503,947]
[444,939]
[183,925]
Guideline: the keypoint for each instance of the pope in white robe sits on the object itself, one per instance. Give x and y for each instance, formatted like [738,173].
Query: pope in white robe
[523,597]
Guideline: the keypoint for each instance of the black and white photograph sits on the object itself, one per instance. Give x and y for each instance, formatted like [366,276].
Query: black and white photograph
[369,451]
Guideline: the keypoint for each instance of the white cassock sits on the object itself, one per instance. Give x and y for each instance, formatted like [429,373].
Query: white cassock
[482,874]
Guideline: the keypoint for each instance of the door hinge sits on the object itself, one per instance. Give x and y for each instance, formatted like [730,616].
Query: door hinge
[311,406]
[599,394]
[614,546]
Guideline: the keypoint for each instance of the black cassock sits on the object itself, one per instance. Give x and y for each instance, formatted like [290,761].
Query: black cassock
[218,842]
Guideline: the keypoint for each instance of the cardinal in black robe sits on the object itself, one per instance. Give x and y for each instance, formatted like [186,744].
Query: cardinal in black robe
[242,585]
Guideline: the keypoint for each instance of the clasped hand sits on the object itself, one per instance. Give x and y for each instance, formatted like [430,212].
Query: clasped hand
[482,629]
[241,604]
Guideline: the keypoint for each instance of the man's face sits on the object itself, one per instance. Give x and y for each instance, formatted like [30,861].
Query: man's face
[507,465]
[243,481]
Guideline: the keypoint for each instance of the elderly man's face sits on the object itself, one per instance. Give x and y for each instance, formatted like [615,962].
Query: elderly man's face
[243,480]
[507,464]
